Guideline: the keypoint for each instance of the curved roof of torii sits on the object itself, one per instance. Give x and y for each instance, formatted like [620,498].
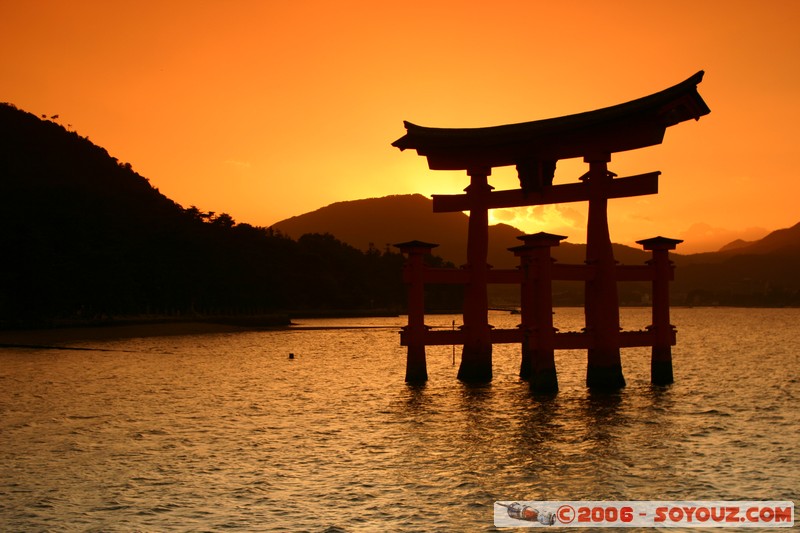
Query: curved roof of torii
[635,124]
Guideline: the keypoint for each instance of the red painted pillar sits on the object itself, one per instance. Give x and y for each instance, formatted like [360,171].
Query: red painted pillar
[661,359]
[604,368]
[527,301]
[414,332]
[538,345]
[476,356]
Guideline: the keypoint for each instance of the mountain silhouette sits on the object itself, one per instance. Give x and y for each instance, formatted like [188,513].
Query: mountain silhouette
[733,245]
[400,218]
[779,241]
[761,272]
[783,241]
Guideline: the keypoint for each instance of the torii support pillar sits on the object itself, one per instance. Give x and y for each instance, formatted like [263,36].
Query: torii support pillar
[604,368]
[661,359]
[414,274]
[476,356]
[536,309]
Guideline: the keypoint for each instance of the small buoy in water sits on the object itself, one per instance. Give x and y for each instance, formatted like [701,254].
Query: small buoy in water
[291,356]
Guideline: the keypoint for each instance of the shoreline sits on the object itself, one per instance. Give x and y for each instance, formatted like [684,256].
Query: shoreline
[56,336]
[51,334]
[56,333]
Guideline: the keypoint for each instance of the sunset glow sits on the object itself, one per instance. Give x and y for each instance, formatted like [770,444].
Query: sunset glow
[269,109]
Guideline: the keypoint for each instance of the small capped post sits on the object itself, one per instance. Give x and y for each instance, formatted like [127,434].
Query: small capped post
[663,331]
[536,310]
[413,335]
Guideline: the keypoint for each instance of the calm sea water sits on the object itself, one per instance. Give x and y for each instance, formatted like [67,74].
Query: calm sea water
[223,432]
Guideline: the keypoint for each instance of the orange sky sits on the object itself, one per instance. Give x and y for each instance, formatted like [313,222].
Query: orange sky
[268,109]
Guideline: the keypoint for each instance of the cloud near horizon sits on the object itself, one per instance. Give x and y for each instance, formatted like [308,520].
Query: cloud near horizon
[559,219]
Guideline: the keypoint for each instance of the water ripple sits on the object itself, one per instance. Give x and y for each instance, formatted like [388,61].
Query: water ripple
[223,432]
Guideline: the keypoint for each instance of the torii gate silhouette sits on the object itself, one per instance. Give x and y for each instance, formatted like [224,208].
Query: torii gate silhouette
[534,148]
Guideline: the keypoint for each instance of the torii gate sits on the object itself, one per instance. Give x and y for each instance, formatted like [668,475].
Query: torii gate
[535,147]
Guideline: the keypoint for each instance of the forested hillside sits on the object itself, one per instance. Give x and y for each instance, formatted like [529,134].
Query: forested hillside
[86,238]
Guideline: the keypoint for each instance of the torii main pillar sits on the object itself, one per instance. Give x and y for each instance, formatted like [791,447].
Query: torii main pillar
[476,355]
[604,368]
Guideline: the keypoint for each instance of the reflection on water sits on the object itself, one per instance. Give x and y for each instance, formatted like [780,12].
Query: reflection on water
[224,431]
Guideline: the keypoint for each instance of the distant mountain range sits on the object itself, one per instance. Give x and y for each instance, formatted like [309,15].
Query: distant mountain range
[763,272]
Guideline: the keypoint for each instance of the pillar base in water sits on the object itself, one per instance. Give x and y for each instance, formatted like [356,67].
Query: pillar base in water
[525,365]
[661,366]
[544,380]
[476,364]
[416,365]
[605,377]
